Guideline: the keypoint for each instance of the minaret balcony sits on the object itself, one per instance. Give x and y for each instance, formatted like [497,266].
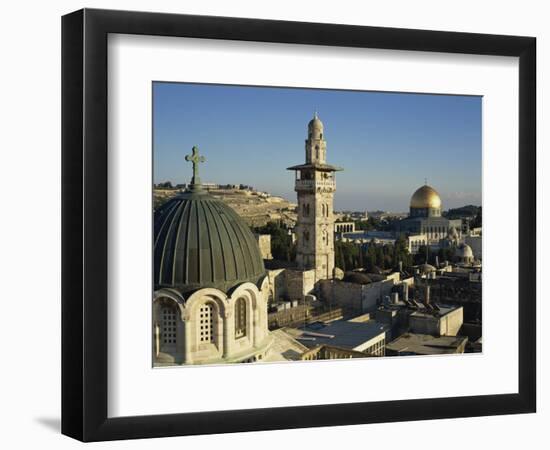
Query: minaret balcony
[315,185]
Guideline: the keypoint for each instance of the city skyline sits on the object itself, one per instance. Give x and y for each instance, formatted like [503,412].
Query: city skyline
[387,143]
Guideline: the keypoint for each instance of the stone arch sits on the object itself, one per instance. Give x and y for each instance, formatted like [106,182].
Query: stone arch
[173,295]
[168,326]
[257,304]
[206,350]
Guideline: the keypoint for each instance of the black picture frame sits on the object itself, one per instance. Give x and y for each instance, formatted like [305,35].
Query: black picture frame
[84,224]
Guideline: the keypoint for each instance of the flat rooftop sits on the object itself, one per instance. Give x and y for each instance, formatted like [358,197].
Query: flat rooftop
[443,310]
[284,348]
[421,310]
[338,333]
[425,344]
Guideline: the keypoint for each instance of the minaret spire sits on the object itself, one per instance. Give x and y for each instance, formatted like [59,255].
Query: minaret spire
[315,187]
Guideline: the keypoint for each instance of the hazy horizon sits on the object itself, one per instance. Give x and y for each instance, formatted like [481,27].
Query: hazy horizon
[387,143]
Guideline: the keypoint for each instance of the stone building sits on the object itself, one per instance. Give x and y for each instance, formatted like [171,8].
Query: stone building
[344,227]
[210,284]
[460,288]
[368,337]
[416,242]
[410,344]
[315,187]
[444,321]
[264,243]
[359,294]
[425,218]
[288,284]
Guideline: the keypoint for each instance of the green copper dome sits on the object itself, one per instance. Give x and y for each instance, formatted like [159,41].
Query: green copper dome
[199,241]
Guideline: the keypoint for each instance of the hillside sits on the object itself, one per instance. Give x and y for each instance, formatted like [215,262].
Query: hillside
[256,208]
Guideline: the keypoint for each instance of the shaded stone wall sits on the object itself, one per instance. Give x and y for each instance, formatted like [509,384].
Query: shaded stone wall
[448,325]
[289,284]
[276,285]
[356,298]
[331,352]
[300,315]
[299,283]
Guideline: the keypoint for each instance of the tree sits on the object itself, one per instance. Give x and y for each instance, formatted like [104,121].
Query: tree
[401,254]
[476,222]
[420,257]
[446,254]
[364,225]
[346,255]
[165,185]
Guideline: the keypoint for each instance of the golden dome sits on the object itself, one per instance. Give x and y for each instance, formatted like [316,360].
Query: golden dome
[426,197]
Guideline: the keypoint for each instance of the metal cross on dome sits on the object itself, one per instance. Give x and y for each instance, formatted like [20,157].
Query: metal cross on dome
[195,158]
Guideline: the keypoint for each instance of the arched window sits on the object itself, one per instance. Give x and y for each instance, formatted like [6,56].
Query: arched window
[206,322]
[168,325]
[240,318]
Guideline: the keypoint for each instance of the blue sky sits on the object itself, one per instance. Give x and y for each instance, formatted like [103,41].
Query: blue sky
[387,143]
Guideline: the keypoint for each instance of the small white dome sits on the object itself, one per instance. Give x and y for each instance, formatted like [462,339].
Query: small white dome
[464,251]
[426,268]
[453,234]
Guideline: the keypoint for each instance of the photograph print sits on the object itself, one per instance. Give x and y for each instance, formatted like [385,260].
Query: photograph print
[300,224]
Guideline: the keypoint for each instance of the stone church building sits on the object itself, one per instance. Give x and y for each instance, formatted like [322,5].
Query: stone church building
[209,302]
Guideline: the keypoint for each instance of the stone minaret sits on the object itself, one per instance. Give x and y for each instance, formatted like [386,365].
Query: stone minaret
[315,186]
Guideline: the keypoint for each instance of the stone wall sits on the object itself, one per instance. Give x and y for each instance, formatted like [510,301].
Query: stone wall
[289,284]
[447,325]
[452,322]
[299,283]
[264,242]
[276,285]
[331,352]
[356,298]
[296,316]
[299,315]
